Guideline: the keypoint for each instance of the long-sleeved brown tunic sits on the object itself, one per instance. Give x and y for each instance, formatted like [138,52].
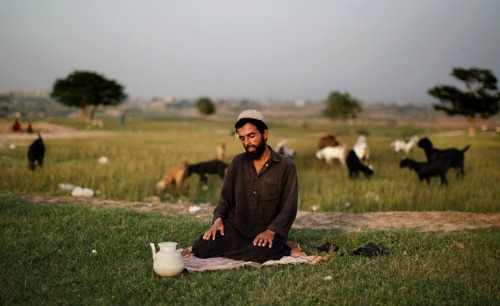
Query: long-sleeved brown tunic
[254,202]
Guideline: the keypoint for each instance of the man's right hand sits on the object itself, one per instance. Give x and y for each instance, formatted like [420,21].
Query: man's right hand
[212,231]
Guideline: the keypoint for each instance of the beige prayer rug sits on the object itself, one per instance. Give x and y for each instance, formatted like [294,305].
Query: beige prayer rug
[195,264]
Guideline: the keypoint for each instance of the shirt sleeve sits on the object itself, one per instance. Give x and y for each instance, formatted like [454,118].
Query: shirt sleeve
[288,202]
[227,195]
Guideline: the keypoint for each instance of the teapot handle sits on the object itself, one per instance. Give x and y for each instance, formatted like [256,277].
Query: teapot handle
[153,249]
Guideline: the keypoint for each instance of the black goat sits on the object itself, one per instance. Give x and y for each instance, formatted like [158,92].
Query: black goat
[354,165]
[209,167]
[454,156]
[426,170]
[36,152]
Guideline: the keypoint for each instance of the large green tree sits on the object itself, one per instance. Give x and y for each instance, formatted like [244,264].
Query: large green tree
[205,106]
[86,89]
[342,106]
[481,97]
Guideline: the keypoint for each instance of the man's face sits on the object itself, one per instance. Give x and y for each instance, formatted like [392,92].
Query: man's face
[252,140]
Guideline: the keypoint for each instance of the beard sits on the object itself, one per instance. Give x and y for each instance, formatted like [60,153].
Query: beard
[259,149]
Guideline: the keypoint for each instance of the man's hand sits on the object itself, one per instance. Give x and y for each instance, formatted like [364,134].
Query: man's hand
[212,231]
[264,238]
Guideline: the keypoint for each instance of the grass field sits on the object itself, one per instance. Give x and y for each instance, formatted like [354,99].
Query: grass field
[47,259]
[140,151]
[46,248]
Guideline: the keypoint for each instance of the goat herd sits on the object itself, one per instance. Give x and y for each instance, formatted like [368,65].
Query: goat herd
[439,161]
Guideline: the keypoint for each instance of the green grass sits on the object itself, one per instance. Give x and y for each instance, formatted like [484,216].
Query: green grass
[46,259]
[140,151]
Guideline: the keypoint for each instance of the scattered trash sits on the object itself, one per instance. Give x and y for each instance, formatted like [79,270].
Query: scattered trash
[12,146]
[102,160]
[370,249]
[328,278]
[326,247]
[94,252]
[315,207]
[347,204]
[82,192]
[66,186]
[194,208]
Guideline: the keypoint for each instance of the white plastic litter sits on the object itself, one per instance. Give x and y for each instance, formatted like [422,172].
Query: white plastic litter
[194,208]
[66,186]
[82,192]
[102,160]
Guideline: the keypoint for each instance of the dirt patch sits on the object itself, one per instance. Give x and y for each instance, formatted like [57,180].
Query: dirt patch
[50,131]
[433,221]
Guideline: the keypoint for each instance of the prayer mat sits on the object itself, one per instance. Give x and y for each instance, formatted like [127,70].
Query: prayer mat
[195,264]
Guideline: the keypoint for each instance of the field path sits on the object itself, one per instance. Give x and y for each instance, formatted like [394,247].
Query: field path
[434,221]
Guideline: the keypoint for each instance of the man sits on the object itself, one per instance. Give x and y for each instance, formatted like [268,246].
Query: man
[258,200]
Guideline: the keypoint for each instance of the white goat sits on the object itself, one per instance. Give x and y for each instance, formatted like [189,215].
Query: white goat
[361,148]
[284,150]
[401,145]
[330,153]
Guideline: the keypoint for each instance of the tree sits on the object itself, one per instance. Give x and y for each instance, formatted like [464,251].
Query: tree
[481,97]
[85,89]
[342,106]
[205,106]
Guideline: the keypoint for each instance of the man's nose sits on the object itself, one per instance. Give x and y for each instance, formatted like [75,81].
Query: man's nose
[246,141]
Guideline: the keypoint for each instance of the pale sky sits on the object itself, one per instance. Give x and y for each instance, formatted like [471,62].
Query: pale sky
[377,50]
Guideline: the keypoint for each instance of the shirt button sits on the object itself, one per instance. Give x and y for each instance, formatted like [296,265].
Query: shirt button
[267,165]
[254,192]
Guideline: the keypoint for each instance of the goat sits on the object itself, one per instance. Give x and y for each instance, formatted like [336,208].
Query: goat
[400,145]
[175,177]
[330,153]
[36,152]
[454,156]
[221,151]
[361,148]
[426,170]
[209,167]
[327,141]
[355,166]
[284,150]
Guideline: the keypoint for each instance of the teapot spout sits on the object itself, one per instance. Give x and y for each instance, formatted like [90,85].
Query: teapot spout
[153,249]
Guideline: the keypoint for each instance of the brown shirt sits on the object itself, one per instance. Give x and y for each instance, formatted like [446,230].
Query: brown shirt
[254,202]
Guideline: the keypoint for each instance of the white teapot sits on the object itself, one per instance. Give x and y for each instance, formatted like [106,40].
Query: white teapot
[168,261]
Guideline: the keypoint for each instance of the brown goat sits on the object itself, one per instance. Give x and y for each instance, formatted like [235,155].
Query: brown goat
[176,178]
[327,141]
[221,152]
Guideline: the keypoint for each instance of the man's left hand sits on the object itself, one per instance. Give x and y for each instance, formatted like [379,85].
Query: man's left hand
[266,237]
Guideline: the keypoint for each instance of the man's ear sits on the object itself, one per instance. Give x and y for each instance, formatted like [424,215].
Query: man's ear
[266,134]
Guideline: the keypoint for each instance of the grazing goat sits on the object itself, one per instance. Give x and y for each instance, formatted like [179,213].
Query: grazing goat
[455,157]
[330,153]
[36,152]
[176,178]
[355,166]
[209,167]
[426,170]
[327,141]
[400,145]
[361,148]
[221,151]
[284,150]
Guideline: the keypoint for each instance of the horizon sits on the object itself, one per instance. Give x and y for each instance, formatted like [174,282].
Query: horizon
[384,51]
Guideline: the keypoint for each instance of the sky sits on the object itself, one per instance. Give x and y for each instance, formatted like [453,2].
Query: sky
[375,50]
